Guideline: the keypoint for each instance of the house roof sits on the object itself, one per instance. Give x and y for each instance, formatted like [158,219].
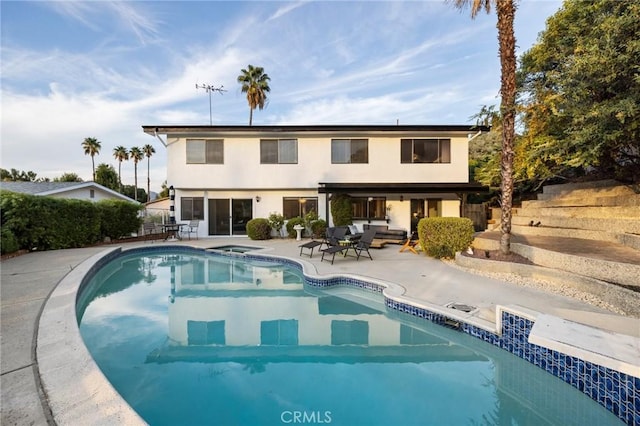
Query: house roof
[352,129]
[401,188]
[51,188]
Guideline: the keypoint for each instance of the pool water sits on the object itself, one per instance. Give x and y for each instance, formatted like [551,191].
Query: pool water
[203,338]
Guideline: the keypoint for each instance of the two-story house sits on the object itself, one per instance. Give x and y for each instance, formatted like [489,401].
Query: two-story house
[395,175]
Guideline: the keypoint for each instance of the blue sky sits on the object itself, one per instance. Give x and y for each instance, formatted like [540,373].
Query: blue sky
[71,70]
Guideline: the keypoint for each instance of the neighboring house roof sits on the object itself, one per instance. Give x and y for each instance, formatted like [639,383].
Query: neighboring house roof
[57,188]
[156,201]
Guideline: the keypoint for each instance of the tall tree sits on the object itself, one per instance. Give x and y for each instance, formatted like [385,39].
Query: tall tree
[68,177]
[148,152]
[121,154]
[505,11]
[255,83]
[581,93]
[92,147]
[20,176]
[106,176]
[136,155]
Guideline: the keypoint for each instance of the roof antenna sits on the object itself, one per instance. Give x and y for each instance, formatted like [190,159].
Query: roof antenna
[397,121]
[210,88]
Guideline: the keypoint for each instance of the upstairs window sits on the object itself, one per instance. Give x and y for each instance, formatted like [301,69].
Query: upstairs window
[205,151]
[279,151]
[346,151]
[425,151]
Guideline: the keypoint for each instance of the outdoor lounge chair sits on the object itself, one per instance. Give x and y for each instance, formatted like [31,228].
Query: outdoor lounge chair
[333,235]
[333,241]
[364,243]
[309,245]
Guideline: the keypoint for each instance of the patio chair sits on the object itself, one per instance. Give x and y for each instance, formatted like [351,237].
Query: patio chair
[151,231]
[364,243]
[333,235]
[411,243]
[192,228]
[333,241]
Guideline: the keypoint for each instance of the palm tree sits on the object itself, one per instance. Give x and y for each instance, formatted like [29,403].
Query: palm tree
[92,147]
[255,83]
[148,151]
[121,154]
[136,155]
[505,9]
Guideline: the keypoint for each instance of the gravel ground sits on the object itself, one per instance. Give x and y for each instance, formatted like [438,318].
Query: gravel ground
[542,285]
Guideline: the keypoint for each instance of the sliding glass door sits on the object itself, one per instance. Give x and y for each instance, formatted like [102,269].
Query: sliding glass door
[229,216]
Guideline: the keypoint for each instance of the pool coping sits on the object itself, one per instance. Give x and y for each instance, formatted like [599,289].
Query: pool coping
[76,388]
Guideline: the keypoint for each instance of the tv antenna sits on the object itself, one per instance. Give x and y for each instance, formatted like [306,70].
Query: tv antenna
[210,88]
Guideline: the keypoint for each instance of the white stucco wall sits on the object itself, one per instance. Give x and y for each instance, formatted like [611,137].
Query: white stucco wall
[242,168]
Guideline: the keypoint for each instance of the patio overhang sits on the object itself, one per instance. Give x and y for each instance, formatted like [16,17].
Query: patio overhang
[401,188]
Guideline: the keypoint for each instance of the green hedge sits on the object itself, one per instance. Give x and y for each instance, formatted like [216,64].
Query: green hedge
[442,237]
[44,223]
[259,229]
[341,210]
[318,228]
[118,219]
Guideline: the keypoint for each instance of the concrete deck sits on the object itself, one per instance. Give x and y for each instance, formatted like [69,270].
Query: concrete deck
[28,280]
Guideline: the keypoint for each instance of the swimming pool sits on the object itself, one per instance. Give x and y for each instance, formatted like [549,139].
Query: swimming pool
[195,338]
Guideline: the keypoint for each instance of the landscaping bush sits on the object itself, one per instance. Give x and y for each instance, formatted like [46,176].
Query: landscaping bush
[259,229]
[341,210]
[293,222]
[46,223]
[8,243]
[118,219]
[318,228]
[442,237]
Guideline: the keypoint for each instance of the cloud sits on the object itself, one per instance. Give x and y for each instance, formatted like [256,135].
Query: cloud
[128,16]
[287,8]
[419,62]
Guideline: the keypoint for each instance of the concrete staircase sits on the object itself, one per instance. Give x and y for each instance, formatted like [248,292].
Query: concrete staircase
[588,229]
[602,211]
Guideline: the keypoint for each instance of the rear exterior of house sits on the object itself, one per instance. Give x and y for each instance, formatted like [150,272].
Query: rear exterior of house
[395,175]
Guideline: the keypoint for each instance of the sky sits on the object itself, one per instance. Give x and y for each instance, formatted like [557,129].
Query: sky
[76,69]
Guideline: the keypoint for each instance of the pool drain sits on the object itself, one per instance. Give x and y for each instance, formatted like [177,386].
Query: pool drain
[461,307]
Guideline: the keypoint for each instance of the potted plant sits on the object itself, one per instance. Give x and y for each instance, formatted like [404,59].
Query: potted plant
[276,221]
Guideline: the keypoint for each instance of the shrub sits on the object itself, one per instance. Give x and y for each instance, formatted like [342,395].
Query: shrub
[293,222]
[318,228]
[45,223]
[259,229]
[341,210]
[8,243]
[442,237]
[118,218]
